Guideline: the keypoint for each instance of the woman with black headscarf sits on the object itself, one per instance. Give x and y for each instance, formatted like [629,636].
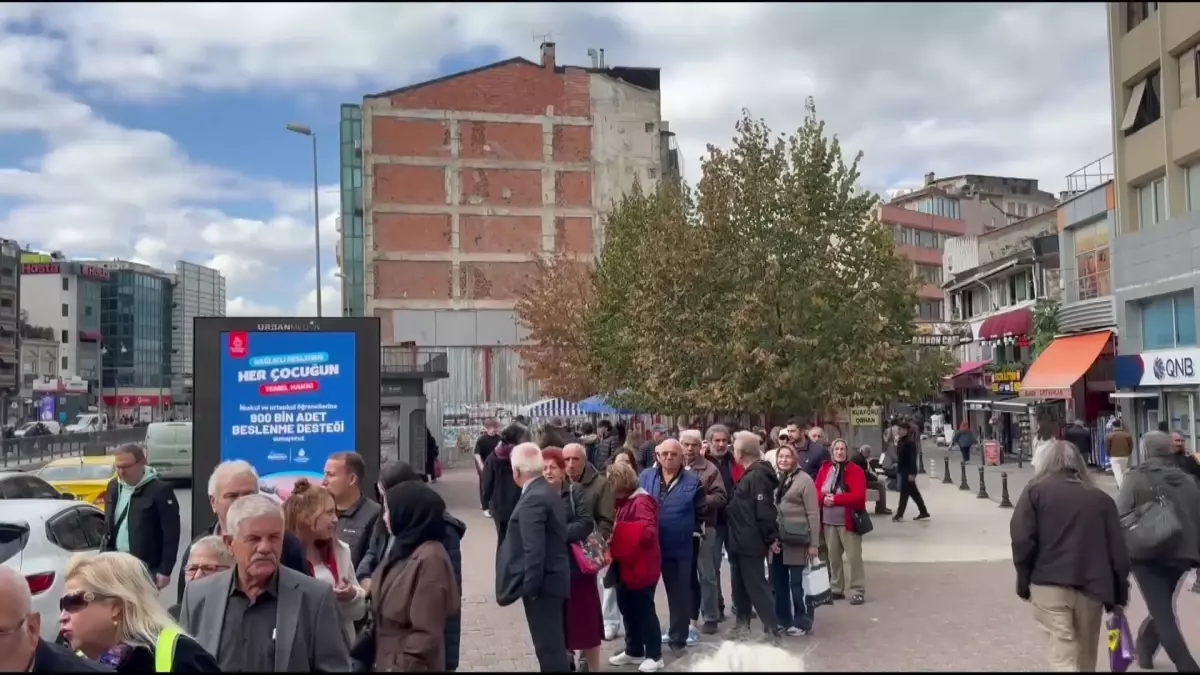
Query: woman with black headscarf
[414,591]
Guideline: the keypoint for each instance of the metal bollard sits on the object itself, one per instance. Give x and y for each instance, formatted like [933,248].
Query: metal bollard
[962,485]
[1020,458]
[932,470]
[1005,502]
[946,479]
[982,486]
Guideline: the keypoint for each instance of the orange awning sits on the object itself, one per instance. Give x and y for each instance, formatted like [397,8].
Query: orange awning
[1062,364]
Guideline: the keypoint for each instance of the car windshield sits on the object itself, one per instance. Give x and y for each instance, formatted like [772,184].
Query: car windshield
[27,426]
[84,419]
[68,472]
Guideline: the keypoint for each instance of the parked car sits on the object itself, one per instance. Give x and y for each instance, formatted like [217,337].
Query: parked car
[84,478]
[49,428]
[37,538]
[21,485]
[87,422]
[169,449]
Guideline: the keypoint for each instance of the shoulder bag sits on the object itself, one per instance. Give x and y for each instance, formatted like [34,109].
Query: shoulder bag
[859,518]
[791,532]
[591,554]
[1151,527]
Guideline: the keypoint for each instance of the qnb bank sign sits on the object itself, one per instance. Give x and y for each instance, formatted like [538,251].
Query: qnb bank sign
[1170,367]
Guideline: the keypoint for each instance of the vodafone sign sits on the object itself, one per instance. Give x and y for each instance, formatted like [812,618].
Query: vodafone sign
[134,401]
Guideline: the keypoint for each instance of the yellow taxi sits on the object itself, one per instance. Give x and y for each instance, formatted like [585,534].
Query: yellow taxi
[86,478]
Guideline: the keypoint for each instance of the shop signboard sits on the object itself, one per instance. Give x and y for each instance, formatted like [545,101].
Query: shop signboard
[991,453]
[1169,367]
[864,416]
[1006,382]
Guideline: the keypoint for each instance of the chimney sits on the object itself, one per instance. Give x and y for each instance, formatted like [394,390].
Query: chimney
[548,55]
[929,178]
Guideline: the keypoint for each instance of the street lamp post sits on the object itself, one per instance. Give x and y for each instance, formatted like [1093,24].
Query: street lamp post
[306,131]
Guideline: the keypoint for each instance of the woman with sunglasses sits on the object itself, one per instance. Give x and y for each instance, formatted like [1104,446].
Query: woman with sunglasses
[110,613]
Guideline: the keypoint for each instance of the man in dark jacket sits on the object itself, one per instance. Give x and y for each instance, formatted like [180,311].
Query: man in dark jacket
[485,445]
[1081,437]
[680,520]
[533,565]
[721,455]
[753,534]
[141,514]
[590,441]
[499,491]
[357,513]
[230,481]
[812,454]
[556,434]
[645,458]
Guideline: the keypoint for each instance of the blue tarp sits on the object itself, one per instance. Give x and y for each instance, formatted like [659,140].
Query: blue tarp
[597,405]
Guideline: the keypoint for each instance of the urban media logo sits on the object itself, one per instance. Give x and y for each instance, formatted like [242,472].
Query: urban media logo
[239,345]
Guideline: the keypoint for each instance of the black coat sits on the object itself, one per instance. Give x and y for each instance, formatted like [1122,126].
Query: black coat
[907,456]
[153,523]
[500,491]
[51,658]
[534,560]
[751,512]
[1081,438]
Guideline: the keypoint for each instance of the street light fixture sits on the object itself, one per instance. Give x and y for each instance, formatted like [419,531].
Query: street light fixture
[307,131]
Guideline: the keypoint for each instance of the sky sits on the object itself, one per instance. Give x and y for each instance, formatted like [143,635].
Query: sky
[156,132]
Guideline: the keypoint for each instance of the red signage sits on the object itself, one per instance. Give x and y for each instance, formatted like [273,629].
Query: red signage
[93,272]
[124,401]
[239,345]
[40,268]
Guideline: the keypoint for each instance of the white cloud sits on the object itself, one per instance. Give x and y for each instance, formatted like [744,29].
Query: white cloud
[240,306]
[1010,89]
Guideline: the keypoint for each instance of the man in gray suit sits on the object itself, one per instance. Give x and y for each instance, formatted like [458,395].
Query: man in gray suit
[532,564]
[261,616]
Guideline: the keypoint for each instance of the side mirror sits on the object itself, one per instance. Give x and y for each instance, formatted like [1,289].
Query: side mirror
[68,496]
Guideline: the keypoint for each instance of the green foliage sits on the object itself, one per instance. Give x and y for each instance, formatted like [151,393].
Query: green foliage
[1045,324]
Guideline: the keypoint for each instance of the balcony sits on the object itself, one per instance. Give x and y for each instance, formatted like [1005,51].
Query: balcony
[407,362]
[1089,305]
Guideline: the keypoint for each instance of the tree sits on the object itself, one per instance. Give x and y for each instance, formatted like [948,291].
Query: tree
[557,355]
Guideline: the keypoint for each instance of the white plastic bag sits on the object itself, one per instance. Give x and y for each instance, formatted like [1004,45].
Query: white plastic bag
[816,584]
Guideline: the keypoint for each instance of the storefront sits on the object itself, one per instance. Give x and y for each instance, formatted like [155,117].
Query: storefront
[1160,386]
[965,384]
[1073,379]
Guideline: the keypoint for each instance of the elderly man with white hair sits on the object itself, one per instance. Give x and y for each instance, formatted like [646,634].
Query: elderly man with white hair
[532,564]
[260,616]
[24,650]
[230,481]
[753,535]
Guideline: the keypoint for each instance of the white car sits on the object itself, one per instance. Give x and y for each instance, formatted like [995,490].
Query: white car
[37,538]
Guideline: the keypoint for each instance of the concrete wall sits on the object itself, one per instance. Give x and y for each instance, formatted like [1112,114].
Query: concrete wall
[959,255]
[1158,260]
[1009,240]
[626,144]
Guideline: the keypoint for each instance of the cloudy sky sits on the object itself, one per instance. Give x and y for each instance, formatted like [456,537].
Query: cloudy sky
[156,131]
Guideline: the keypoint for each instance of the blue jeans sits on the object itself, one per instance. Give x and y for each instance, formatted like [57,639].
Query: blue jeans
[792,608]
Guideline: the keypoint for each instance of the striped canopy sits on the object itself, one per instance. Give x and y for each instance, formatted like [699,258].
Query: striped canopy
[551,407]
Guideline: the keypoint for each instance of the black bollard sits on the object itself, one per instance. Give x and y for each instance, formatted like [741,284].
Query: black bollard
[1005,502]
[946,479]
[1020,458]
[962,485]
[982,486]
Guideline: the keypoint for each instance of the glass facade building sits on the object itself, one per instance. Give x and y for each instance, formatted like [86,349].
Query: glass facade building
[197,291]
[135,319]
[350,248]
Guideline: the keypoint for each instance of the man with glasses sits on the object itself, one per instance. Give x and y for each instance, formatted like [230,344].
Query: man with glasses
[22,649]
[706,549]
[209,555]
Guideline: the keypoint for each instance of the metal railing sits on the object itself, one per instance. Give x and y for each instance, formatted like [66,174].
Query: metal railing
[1091,175]
[403,359]
[19,452]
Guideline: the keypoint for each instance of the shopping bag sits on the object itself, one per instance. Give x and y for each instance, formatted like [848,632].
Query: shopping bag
[437,468]
[1120,643]
[816,584]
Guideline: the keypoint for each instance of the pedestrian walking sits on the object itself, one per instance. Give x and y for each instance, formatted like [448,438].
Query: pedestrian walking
[681,519]
[753,534]
[485,445]
[142,514]
[414,591]
[357,513]
[706,594]
[1070,556]
[111,615]
[1120,448]
[311,514]
[1158,479]
[533,564]
[907,458]
[636,567]
[843,493]
[235,616]
[432,453]
[963,439]
[499,490]
[799,511]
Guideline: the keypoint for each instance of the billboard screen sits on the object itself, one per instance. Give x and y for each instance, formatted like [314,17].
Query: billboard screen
[287,401]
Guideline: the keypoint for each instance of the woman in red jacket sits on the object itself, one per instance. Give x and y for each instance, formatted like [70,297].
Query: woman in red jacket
[842,490]
[636,566]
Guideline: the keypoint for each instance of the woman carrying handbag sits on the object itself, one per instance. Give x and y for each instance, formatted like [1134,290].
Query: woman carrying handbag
[799,522]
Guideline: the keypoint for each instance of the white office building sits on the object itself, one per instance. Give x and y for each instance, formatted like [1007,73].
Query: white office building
[197,291]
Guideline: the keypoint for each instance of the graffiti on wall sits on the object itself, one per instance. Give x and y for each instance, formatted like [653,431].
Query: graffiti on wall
[462,424]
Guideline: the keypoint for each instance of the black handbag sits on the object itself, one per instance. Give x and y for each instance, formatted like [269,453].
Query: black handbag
[862,522]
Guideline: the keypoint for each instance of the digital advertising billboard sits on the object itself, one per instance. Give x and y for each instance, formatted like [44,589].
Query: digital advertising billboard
[284,395]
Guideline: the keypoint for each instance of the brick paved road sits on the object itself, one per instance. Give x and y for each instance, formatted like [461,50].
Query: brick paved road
[918,617]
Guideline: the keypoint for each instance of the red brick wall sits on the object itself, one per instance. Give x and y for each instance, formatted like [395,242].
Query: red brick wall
[412,185]
[517,88]
[572,144]
[506,142]
[412,280]
[494,280]
[410,138]
[412,232]
[573,235]
[499,234]
[573,188]
[501,187]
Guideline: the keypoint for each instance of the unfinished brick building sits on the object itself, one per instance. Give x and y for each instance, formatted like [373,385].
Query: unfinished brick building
[468,176]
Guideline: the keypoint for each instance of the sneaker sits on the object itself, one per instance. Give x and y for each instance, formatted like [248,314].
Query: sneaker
[487,513]
[709,628]
[793,631]
[610,633]
[922,516]
[693,636]
[651,666]
[666,639]
[623,659]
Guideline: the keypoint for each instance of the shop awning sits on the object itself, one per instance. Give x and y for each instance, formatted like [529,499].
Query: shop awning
[1015,405]
[1062,364]
[1016,322]
[969,367]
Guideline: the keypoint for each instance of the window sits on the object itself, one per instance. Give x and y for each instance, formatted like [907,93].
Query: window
[65,367]
[66,532]
[93,526]
[1010,207]
[649,127]
[930,274]
[1137,12]
[1145,104]
[1091,260]
[66,310]
[66,337]
[66,285]
[1152,202]
[1023,209]
[930,310]
[87,310]
[1189,75]
[1191,177]
[1169,321]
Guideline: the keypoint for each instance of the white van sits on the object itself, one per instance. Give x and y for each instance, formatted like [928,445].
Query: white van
[169,449]
[87,422]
